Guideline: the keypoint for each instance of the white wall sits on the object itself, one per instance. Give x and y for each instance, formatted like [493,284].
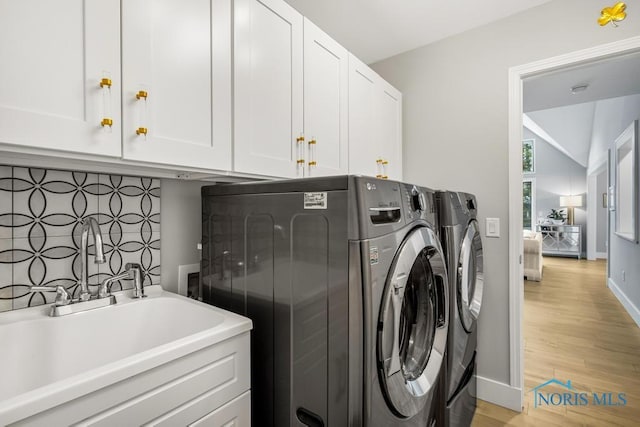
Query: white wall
[557,175]
[180,225]
[455,103]
[610,115]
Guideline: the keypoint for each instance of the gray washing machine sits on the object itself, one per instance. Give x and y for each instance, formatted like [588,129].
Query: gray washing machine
[462,243]
[345,281]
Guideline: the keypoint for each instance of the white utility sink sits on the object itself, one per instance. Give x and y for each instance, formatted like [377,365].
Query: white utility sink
[71,369]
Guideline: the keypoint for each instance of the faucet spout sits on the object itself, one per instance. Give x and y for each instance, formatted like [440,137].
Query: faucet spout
[91,224]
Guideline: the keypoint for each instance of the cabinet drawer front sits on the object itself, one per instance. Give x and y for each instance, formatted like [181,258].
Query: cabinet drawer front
[236,413]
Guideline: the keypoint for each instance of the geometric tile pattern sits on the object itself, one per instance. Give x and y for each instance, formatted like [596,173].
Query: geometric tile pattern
[40,214]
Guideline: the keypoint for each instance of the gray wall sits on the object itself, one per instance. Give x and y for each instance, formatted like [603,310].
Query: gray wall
[624,255]
[557,175]
[455,126]
[601,213]
[180,223]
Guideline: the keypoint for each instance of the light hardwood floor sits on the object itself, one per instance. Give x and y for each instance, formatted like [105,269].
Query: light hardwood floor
[575,329]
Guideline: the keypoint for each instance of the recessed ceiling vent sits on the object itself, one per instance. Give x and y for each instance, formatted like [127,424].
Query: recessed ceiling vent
[579,88]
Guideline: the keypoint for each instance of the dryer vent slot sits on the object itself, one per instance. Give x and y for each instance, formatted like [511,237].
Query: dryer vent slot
[384,215]
[308,418]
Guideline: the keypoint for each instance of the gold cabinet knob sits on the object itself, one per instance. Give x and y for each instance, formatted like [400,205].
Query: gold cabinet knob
[313,163]
[105,81]
[106,122]
[312,142]
[300,139]
[142,131]
[141,94]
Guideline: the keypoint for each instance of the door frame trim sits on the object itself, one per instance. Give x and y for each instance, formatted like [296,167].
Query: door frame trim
[516,278]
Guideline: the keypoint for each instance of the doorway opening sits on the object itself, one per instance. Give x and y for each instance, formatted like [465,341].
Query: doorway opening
[593,174]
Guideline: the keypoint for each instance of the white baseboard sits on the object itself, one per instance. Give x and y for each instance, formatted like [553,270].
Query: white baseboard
[499,394]
[631,308]
[601,255]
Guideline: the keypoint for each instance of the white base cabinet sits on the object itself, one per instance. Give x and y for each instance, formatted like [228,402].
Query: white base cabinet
[208,387]
[236,413]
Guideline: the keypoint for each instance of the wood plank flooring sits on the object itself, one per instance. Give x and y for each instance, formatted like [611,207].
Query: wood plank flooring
[574,329]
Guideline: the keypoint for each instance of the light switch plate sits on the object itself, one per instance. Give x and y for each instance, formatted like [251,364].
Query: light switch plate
[492,227]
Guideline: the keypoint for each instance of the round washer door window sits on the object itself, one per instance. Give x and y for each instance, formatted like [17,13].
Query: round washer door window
[470,276]
[413,323]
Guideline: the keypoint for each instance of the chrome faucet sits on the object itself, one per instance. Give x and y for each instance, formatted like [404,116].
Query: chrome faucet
[89,223]
[138,279]
[132,272]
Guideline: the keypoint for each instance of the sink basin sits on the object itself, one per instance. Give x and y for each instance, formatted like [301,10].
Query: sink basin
[49,361]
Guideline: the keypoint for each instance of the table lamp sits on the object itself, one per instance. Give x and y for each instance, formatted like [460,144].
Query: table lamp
[570,202]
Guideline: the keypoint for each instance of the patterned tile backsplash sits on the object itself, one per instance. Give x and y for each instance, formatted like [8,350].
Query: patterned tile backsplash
[40,214]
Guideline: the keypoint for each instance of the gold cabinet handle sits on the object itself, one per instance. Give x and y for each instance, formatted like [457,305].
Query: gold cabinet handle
[312,155]
[105,89]
[300,139]
[141,94]
[142,131]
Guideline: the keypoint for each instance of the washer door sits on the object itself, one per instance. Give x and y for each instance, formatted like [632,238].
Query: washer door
[412,327]
[470,276]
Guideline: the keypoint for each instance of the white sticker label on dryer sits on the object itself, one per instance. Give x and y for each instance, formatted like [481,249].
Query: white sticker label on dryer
[317,200]
[373,255]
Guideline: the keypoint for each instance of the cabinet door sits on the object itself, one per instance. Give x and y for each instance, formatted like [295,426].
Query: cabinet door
[389,134]
[363,141]
[268,87]
[54,56]
[176,71]
[236,413]
[326,79]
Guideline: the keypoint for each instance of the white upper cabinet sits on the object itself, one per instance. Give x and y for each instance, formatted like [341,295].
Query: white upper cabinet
[389,105]
[363,148]
[54,55]
[326,79]
[176,72]
[375,124]
[268,97]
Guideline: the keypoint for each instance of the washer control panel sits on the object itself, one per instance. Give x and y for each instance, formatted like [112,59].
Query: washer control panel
[418,203]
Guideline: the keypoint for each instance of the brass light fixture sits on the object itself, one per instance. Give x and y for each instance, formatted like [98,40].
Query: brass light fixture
[613,14]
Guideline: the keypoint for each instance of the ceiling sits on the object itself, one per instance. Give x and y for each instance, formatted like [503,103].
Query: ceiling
[377,29]
[619,76]
[567,120]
